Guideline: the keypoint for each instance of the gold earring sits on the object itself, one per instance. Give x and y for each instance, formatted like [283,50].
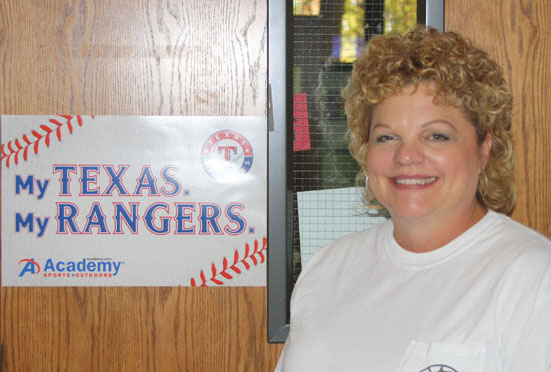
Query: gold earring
[483,183]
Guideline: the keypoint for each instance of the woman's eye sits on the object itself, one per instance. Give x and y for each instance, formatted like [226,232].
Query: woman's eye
[439,137]
[383,138]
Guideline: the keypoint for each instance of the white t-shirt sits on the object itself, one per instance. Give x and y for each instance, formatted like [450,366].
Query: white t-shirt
[480,303]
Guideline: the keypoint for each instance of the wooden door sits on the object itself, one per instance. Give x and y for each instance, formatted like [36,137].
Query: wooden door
[117,57]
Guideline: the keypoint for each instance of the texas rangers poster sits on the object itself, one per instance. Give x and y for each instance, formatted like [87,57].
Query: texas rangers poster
[133,201]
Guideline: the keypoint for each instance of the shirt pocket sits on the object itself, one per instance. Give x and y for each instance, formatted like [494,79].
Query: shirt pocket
[443,357]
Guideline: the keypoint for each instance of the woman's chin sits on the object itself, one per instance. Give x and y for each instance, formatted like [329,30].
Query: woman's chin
[412,213]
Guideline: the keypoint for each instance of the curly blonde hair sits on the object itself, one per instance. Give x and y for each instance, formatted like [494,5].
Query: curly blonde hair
[464,76]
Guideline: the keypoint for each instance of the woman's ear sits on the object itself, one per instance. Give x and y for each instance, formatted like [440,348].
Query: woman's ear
[485,150]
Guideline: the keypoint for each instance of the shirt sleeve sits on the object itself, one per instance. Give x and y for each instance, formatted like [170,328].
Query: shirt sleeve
[526,340]
[533,347]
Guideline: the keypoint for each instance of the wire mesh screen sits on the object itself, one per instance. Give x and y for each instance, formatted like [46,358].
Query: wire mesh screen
[326,38]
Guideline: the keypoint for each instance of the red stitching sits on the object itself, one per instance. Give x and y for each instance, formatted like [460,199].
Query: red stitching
[217,276]
[44,132]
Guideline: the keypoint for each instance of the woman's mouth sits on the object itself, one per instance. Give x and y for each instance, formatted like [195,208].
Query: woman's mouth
[414,181]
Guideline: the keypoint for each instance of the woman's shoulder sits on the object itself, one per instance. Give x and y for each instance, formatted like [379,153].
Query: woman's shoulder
[511,232]
[529,249]
[347,249]
[336,264]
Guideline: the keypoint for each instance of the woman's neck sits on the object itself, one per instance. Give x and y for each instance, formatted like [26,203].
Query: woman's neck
[433,232]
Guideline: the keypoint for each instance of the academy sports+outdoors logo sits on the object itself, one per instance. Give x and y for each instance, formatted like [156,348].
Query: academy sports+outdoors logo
[84,268]
[227,154]
[31,266]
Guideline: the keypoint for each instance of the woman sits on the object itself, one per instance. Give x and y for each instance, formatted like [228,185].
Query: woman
[449,283]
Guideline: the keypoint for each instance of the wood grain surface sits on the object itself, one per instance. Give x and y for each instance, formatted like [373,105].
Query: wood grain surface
[116,57]
[135,329]
[517,33]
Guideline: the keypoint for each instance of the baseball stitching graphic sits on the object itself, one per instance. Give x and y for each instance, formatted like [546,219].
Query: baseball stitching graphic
[20,147]
[256,256]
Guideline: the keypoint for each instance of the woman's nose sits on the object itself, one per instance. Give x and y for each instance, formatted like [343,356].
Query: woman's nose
[408,153]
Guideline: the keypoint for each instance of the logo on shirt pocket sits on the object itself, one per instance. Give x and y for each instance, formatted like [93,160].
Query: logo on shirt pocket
[438,368]
[441,356]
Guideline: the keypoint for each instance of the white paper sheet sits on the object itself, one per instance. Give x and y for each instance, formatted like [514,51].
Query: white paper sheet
[326,215]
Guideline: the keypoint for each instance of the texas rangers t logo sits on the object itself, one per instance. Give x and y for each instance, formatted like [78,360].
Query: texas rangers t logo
[227,154]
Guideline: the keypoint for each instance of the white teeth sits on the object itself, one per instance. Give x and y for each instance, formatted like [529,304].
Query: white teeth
[415,181]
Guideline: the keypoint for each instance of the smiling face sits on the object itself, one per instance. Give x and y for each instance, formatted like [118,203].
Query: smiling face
[423,159]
